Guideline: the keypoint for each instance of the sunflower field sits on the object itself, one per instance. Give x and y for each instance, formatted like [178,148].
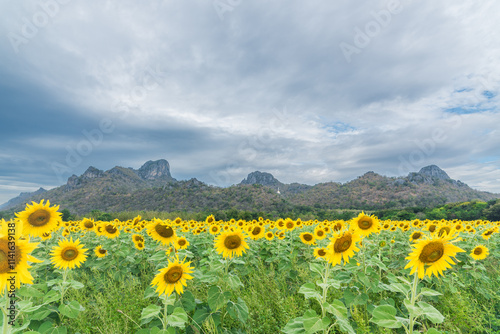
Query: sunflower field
[162,276]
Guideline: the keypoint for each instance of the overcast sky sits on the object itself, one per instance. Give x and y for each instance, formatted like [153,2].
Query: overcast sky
[310,91]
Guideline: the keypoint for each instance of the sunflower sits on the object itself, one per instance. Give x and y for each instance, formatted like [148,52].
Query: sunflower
[14,256]
[320,253]
[256,232]
[46,236]
[162,231]
[338,225]
[100,252]
[366,225]
[435,253]
[319,233]
[231,243]
[416,235]
[139,245]
[110,230]
[181,243]
[173,277]
[281,235]
[87,224]
[68,254]
[445,229]
[487,234]
[137,238]
[289,224]
[39,218]
[210,219]
[342,245]
[479,252]
[269,235]
[307,238]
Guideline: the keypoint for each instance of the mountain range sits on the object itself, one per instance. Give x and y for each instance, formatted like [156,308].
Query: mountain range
[152,187]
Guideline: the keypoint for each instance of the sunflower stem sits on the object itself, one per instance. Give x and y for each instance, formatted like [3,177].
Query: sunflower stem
[165,320]
[412,301]
[325,289]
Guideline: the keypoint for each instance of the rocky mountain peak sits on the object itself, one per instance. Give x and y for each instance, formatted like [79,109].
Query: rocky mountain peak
[92,173]
[152,170]
[434,172]
[265,179]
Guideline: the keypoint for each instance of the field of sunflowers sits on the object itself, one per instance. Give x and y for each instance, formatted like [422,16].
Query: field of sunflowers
[159,276]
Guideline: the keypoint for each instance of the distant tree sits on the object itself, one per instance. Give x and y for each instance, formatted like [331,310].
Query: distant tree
[493,212]
[66,215]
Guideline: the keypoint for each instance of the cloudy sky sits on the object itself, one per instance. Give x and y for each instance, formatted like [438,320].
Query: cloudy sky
[310,91]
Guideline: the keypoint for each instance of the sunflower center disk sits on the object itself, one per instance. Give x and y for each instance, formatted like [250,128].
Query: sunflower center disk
[432,252]
[342,244]
[365,224]
[321,252]
[478,251]
[232,242]
[256,231]
[307,237]
[164,231]
[173,275]
[110,229]
[4,257]
[69,254]
[39,218]
[444,230]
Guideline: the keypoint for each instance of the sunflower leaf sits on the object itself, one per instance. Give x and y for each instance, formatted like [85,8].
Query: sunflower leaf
[317,268]
[234,282]
[417,311]
[385,316]
[70,310]
[239,310]
[216,298]
[295,326]
[309,291]
[431,313]
[150,311]
[429,292]
[178,318]
[313,323]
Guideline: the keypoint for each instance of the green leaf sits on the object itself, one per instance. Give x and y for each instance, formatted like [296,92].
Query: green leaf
[295,326]
[317,268]
[234,282]
[20,329]
[71,310]
[51,296]
[417,311]
[199,317]
[313,323]
[360,299]
[429,292]
[239,310]
[338,309]
[216,298]
[28,291]
[40,314]
[385,316]
[188,302]
[309,291]
[26,306]
[396,287]
[433,331]
[76,285]
[150,292]
[330,283]
[158,256]
[150,311]
[178,318]
[431,313]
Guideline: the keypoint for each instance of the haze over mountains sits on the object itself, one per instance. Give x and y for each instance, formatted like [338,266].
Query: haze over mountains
[152,187]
